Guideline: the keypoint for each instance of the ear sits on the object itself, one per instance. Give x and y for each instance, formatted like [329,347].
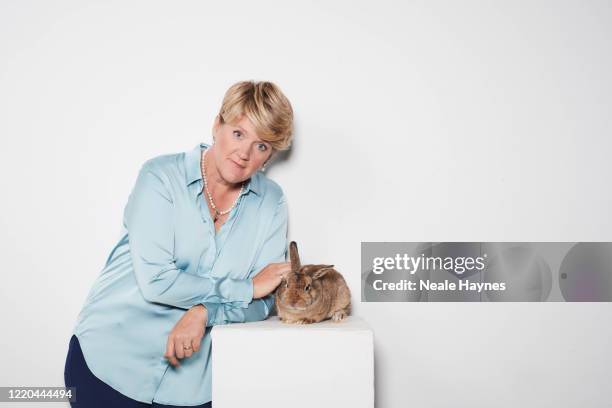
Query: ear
[319,273]
[216,124]
[295,257]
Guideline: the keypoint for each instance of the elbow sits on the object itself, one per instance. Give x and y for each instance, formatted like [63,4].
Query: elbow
[152,293]
[149,294]
[156,288]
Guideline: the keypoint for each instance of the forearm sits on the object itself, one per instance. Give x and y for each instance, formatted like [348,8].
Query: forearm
[178,288]
[257,310]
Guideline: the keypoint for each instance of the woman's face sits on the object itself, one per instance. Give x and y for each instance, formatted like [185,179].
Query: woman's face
[238,152]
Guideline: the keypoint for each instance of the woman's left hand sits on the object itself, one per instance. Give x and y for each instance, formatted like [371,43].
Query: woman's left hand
[187,332]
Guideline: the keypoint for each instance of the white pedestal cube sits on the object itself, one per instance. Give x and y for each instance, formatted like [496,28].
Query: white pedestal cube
[272,364]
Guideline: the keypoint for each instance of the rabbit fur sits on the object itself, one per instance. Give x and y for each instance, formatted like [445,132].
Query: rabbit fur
[311,293]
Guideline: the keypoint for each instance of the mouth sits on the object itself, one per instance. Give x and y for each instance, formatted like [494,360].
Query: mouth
[237,165]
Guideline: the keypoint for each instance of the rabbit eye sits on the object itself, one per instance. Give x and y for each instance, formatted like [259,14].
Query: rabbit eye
[307,288]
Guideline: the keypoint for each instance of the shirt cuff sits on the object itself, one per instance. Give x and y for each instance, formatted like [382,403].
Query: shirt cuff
[242,294]
[245,290]
[211,313]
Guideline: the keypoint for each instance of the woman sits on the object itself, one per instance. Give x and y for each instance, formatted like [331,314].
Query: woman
[204,243]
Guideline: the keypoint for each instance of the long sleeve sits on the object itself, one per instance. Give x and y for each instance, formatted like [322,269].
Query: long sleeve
[273,250]
[149,219]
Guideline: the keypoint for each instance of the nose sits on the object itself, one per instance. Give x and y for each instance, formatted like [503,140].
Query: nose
[243,152]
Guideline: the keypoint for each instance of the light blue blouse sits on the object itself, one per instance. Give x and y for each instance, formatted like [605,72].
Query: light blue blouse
[168,259]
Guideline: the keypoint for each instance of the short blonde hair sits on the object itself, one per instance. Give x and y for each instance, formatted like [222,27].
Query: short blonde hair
[266,107]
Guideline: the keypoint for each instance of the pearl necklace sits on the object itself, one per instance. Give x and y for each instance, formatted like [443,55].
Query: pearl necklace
[212,204]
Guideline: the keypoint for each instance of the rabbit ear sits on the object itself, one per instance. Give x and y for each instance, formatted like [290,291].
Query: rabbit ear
[319,273]
[295,257]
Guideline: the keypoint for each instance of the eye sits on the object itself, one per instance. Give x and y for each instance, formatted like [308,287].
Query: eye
[237,133]
[262,147]
[307,287]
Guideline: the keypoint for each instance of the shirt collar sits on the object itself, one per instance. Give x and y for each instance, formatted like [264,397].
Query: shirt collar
[193,170]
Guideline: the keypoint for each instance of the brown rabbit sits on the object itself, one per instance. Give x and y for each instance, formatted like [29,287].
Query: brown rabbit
[311,293]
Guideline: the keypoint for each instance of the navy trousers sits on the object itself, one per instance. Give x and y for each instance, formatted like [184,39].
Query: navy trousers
[91,392]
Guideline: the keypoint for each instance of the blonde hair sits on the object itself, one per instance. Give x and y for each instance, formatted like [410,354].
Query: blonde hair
[265,106]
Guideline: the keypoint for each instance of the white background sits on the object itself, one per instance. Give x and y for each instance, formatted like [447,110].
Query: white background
[414,121]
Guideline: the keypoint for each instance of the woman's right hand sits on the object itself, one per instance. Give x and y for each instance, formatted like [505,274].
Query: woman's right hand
[266,281]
